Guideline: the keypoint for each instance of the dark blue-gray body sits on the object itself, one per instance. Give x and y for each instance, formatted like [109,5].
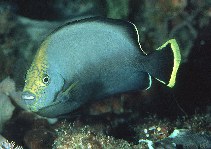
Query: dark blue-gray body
[94,58]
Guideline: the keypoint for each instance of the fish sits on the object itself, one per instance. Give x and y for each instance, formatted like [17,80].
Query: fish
[91,59]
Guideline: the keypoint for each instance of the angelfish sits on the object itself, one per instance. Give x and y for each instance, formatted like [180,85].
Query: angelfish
[91,59]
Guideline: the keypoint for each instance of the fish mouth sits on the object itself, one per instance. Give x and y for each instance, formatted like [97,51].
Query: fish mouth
[30,100]
[28,97]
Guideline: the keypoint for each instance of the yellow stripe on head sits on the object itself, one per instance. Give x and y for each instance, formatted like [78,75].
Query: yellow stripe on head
[36,72]
[40,58]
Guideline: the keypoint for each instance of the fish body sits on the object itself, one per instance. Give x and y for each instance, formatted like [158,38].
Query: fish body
[90,59]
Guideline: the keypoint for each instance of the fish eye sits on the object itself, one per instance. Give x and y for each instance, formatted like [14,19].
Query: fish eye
[46,79]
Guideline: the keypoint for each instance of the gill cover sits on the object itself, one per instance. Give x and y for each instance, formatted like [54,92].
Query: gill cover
[62,103]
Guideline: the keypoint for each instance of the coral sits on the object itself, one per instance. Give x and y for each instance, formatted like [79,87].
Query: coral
[19,39]
[2,139]
[6,110]
[196,123]
[122,104]
[71,9]
[118,9]
[154,129]
[5,144]
[160,20]
[153,21]
[184,138]
[29,130]
[9,145]
[39,138]
[114,105]
[6,107]
[7,86]
[13,40]
[70,136]
[157,132]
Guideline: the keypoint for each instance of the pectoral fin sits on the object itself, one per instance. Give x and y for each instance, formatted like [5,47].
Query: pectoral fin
[65,95]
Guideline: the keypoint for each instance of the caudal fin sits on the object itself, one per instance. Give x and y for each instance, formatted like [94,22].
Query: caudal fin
[164,63]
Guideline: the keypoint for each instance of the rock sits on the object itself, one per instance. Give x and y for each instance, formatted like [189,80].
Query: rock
[5,144]
[72,136]
[6,109]
[39,138]
[7,86]
[2,139]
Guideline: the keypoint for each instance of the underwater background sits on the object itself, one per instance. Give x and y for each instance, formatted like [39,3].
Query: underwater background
[132,120]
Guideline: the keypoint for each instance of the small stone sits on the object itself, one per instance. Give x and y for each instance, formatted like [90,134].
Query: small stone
[158,129]
[145,130]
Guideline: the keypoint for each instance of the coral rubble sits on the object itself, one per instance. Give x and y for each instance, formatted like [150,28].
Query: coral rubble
[70,136]
[7,86]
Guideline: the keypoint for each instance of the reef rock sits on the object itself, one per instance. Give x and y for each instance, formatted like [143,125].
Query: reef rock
[6,107]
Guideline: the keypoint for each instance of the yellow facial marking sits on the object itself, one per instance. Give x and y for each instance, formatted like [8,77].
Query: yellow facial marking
[34,78]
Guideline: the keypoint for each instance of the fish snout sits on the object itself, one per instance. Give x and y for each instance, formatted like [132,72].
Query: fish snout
[28,97]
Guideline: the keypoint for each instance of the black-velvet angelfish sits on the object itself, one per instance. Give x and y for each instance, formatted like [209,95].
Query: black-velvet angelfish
[91,59]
